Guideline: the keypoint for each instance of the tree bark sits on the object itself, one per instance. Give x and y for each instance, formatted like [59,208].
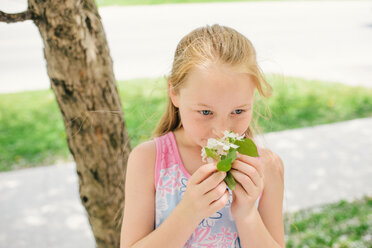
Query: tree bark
[81,73]
[19,17]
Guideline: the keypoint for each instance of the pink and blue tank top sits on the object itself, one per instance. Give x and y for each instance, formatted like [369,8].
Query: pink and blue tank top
[219,230]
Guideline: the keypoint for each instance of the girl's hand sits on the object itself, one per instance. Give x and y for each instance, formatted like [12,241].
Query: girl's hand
[248,174]
[206,193]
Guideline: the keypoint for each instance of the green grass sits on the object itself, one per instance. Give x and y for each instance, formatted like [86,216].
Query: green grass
[295,103]
[101,3]
[301,103]
[143,103]
[32,131]
[338,225]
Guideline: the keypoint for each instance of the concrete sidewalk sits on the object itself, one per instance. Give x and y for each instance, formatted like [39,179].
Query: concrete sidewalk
[41,207]
[327,40]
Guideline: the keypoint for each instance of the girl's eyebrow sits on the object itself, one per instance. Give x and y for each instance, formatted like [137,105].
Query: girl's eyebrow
[203,105]
[206,105]
[243,106]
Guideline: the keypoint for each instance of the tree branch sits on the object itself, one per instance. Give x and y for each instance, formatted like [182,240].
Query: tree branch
[18,17]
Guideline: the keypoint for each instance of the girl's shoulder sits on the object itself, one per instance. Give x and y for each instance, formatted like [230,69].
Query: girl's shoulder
[141,161]
[147,146]
[144,151]
[144,154]
[273,164]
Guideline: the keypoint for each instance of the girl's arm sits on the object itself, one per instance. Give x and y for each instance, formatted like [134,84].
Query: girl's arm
[139,207]
[139,211]
[205,194]
[264,227]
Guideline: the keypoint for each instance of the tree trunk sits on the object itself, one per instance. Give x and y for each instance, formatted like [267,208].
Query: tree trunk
[81,73]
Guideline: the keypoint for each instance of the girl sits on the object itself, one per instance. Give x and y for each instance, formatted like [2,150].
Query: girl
[174,200]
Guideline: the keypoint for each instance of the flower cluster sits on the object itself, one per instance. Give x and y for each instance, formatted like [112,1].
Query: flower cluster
[224,150]
[220,146]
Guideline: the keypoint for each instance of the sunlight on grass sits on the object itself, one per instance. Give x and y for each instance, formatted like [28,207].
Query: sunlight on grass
[338,225]
[32,134]
[32,131]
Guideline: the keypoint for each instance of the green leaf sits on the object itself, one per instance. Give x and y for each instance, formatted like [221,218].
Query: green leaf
[231,154]
[210,153]
[224,165]
[247,147]
[230,181]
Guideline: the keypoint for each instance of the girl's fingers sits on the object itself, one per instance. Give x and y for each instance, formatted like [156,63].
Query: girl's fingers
[221,202]
[248,170]
[202,173]
[253,161]
[238,190]
[212,181]
[243,180]
[216,192]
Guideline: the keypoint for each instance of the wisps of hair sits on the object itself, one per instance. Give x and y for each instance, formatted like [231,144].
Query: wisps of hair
[211,44]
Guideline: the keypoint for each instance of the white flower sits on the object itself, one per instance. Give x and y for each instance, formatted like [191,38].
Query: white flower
[220,150]
[226,133]
[210,160]
[232,135]
[212,143]
[234,146]
[222,145]
[203,154]
[205,158]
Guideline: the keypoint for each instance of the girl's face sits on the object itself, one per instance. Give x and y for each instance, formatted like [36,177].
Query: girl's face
[212,100]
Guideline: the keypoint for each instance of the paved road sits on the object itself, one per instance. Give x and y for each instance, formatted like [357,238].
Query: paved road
[41,207]
[328,40]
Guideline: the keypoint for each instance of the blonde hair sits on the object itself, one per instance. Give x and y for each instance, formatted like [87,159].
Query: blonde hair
[198,48]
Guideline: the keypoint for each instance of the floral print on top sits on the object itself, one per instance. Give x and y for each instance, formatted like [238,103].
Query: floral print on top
[219,230]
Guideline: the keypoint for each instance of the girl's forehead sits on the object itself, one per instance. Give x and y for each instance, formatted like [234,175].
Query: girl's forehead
[217,79]
[218,88]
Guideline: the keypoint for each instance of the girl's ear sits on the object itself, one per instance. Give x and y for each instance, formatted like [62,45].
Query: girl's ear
[173,96]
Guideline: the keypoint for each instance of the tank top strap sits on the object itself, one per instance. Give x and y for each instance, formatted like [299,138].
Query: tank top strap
[167,154]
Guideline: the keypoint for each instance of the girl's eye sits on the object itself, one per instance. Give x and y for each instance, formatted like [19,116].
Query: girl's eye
[238,111]
[205,112]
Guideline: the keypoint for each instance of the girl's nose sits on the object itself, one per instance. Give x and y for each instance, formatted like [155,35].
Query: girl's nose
[219,127]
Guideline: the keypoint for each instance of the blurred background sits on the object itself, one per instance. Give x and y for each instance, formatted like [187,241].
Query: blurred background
[317,55]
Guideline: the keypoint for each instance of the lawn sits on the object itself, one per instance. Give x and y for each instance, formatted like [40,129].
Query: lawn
[32,132]
[337,225]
